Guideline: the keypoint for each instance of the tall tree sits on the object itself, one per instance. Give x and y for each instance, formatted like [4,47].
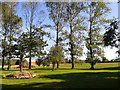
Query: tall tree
[74,20]
[4,31]
[11,24]
[96,19]
[38,42]
[56,55]
[32,16]
[56,10]
[4,51]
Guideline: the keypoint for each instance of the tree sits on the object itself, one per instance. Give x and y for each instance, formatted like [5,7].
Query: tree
[39,61]
[96,12]
[112,36]
[39,42]
[74,21]
[32,16]
[56,55]
[56,10]
[44,61]
[10,25]
[4,13]
[21,48]
[4,52]
[104,59]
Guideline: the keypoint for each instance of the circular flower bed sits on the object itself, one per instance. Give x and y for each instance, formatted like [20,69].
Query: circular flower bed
[21,75]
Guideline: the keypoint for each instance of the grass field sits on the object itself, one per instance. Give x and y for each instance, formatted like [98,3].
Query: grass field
[105,75]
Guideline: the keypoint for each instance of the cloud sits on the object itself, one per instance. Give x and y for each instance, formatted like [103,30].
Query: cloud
[110,53]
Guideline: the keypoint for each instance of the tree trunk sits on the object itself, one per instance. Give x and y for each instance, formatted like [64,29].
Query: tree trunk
[3,62]
[72,61]
[53,66]
[3,54]
[21,59]
[9,62]
[9,65]
[91,50]
[10,53]
[92,66]
[57,31]
[30,61]
[71,46]
[30,43]
[57,64]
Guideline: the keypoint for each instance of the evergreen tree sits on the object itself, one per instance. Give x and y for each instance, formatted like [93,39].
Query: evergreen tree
[32,16]
[20,48]
[39,42]
[112,36]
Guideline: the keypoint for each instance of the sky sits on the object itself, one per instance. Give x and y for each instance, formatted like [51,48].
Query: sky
[109,53]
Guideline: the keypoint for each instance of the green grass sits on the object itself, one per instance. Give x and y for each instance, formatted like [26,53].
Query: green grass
[104,76]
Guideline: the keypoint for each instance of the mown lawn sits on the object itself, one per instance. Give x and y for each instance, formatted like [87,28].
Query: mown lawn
[106,75]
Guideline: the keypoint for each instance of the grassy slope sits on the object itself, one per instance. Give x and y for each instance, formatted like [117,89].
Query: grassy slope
[105,76]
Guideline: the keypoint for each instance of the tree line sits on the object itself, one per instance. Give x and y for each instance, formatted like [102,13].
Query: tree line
[76,24]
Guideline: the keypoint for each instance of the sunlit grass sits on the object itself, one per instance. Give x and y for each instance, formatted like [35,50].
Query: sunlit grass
[65,77]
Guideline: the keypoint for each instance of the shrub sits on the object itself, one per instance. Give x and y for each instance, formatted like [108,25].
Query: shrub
[39,61]
[17,62]
[44,62]
[24,63]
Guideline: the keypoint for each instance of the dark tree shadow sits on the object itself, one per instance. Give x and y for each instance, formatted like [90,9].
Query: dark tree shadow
[108,68]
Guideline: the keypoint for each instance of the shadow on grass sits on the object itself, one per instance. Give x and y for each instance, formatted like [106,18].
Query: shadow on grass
[42,68]
[75,80]
[108,68]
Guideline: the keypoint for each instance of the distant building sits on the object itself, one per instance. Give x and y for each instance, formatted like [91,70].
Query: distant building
[33,63]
